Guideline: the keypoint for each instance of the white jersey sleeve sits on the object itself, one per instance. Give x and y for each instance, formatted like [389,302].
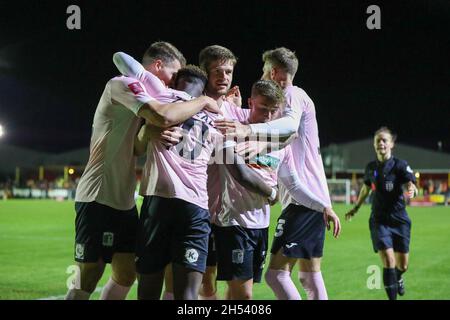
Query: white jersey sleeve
[129,67]
[289,123]
[288,177]
[129,93]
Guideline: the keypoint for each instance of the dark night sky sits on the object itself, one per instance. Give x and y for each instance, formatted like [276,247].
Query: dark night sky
[51,78]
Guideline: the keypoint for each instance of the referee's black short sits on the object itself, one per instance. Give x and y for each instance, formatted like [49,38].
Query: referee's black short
[101,231]
[390,232]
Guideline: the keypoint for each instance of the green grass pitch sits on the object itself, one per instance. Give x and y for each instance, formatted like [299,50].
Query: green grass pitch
[36,250]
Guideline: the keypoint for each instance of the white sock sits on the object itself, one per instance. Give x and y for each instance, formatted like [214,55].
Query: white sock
[114,291]
[77,294]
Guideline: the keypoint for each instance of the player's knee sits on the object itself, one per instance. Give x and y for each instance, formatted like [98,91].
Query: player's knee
[208,289]
[125,279]
[90,275]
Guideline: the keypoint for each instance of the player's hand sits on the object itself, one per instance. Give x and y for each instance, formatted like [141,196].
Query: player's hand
[330,215]
[232,129]
[349,215]
[411,190]
[210,104]
[274,201]
[171,136]
[234,96]
[250,149]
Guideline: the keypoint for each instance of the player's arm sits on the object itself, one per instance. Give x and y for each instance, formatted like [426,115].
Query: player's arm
[287,176]
[141,141]
[407,176]
[131,94]
[168,137]
[283,127]
[128,66]
[170,114]
[245,175]
[363,194]
[250,149]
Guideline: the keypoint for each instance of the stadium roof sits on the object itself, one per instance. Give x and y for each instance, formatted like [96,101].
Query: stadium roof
[357,154]
[12,157]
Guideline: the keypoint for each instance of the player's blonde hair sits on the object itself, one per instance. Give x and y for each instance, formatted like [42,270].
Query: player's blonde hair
[270,90]
[282,58]
[388,131]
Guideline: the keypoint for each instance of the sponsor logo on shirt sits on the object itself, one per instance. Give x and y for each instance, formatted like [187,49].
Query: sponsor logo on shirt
[267,161]
[136,87]
[191,255]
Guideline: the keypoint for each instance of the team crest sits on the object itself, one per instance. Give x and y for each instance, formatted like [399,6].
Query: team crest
[191,255]
[108,239]
[237,256]
[79,251]
[389,186]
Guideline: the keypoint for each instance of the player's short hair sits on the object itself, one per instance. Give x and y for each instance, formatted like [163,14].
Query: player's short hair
[164,51]
[215,53]
[282,58]
[268,89]
[191,71]
[388,131]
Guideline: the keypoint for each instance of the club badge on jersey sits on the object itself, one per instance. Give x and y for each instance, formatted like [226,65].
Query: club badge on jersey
[136,88]
[389,186]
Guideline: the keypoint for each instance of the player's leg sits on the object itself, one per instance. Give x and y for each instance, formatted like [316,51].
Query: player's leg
[89,226]
[186,282]
[189,248]
[389,274]
[123,263]
[310,253]
[122,278]
[235,260]
[150,285]
[401,240]
[310,277]
[168,283]
[240,289]
[278,276]
[383,244]
[402,260]
[89,275]
[153,246]
[208,289]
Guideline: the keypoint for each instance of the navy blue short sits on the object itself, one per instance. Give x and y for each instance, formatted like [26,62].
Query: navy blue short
[241,253]
[300,233]
[171,230]
[391,232]
[211,261]
[101,231]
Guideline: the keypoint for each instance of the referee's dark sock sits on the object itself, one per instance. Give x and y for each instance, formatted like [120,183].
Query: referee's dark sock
[390,282]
